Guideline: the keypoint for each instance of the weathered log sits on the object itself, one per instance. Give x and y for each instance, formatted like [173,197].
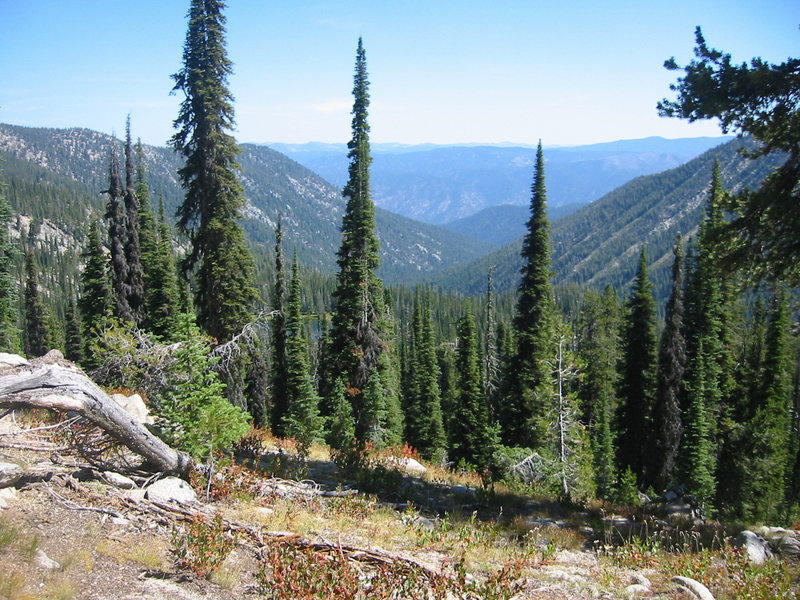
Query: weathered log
[54,383]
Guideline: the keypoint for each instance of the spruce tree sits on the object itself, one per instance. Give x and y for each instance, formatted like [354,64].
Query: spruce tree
[356,336]
[9,331]
[599,351]
[73,338]
[301,420]
[117,236]
[162,302]
[134,283]
[767,456]
[638,379]
[96,300]
[37,335]
[667,425]
[491,357]
[473,437]
[148,227]
[209,213]
[279,375]
[526,404]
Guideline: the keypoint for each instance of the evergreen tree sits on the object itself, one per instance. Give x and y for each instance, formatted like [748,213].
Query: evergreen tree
[491,357]
[117,236]
[767,458]
[638,379]
[96,300]
[162,299]
[37,336]
[134,284]
[214,195]
[356,337]
[526,406]
[424,422]
[9,331]
[599,351]
[73,338]
[279,390]
[667,425]
[148,227]
[473,437]
[301,420]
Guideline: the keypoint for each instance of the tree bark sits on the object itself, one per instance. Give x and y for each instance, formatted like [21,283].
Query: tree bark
[54,383]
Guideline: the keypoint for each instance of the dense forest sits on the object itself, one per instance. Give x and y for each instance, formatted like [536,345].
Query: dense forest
[629,347]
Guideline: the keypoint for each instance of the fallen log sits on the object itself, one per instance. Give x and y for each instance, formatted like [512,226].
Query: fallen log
[54,383]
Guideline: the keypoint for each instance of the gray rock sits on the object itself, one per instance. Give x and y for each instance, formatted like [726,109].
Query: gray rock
[638,578]
[7,495]
[135,407]
[171,489]
[11,360]
[695,588]
[756,546]
[41,559]
[10,474]
[118,480]
[788,547]
[637,589]
[407,464]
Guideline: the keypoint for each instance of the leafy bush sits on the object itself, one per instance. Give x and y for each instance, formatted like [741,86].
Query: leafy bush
[203,547]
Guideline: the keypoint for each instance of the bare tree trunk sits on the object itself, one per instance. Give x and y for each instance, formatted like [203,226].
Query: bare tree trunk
[54,383]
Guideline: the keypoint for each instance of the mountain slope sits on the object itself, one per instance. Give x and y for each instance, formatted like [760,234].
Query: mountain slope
[600,243]
[310,207]
[438,184]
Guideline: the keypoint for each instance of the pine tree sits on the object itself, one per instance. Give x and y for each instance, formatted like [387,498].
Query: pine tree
[301,420]
[638,380]
[599,351]
[474,439]
[767,458]
[491,357]
[278,376]
[526,406]
[667,425]
[9,331]
[38,335]
[214,195]
[96,300]
[134,283]
[73,338]
[148,227]
[356,337]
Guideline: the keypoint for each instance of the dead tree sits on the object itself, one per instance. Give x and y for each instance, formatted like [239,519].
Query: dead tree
[56,384]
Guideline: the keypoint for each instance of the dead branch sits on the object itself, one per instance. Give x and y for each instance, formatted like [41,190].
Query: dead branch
[56,384]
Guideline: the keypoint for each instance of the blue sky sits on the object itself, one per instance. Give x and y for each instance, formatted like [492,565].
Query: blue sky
[568,72]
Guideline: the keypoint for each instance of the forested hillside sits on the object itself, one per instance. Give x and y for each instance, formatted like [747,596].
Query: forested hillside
[311,208]
[599,244]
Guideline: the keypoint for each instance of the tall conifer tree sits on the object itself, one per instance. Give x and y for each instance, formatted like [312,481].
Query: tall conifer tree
[526,404]
[224,290]
[638,381]
[9,331]
[117,236]
[356,337]
[134,284]
[278,374]
[667,424]
[96,302]
[37,335]
[73,338]
[162,298]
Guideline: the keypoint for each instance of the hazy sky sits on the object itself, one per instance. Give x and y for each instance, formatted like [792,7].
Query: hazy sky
[441,71]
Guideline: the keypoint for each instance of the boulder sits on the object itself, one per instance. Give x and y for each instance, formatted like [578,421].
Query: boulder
[694,587]
[171,489]
[757,548]
[135,407]
[637,589]
[787,547]
[10,474]
[11,360]
[45,562]
[7,495]
[408,464]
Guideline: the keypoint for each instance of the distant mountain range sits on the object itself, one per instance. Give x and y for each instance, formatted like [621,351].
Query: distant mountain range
[599,244]
[441,184]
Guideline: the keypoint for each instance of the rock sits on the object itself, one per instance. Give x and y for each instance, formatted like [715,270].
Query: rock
[756,547]
[171,489]
[461,490]
[695,588]
[637,589]
[41,559]
[118,480]
[135,407]
[7,495]
[639,579]
[408,464]
[11,360]
[10,474]
[787,547]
